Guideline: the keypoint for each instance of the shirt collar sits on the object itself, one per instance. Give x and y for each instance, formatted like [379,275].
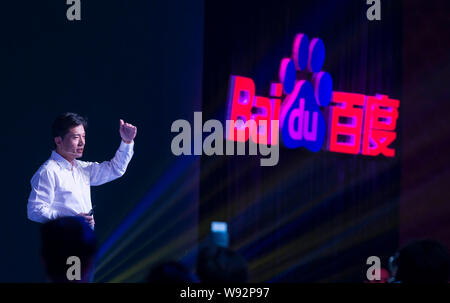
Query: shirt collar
[61,161]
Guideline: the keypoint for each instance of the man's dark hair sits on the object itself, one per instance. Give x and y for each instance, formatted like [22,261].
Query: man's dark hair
[423,261]
[170,272]
[217,264]
[64,122]
[63,238]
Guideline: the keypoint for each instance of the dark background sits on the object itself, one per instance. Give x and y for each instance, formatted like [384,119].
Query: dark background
[313,217]
[425,207]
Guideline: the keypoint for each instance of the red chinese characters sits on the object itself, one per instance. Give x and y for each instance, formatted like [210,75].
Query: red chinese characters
[381,114]
[362,124]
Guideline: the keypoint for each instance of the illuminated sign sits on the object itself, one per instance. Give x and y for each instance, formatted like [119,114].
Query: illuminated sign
[355,124]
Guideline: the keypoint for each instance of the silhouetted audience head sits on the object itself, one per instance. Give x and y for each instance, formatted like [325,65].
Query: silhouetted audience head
[221,264]
[424,261]
[63,238]
[171,272]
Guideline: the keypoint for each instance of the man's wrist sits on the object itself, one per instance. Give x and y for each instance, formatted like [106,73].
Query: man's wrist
[127,142]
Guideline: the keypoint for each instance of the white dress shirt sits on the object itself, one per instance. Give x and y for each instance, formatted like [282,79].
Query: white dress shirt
[59,189]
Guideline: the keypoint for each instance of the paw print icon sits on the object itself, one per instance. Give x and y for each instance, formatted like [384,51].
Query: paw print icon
[301,121]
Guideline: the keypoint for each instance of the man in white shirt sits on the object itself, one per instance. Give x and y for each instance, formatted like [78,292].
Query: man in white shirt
[61,186]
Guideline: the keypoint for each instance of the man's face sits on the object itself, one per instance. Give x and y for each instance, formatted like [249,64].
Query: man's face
[72,145]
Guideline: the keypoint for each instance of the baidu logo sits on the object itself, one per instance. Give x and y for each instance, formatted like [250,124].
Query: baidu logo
[355,124]
[301,121]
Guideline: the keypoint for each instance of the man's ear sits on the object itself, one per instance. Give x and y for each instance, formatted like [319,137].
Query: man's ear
[58,140]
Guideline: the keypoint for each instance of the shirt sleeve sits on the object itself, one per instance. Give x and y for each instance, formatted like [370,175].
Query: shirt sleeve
[100,173]
[41,197]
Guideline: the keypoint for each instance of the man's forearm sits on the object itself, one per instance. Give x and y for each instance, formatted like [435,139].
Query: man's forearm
[39,212]
[107,171]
